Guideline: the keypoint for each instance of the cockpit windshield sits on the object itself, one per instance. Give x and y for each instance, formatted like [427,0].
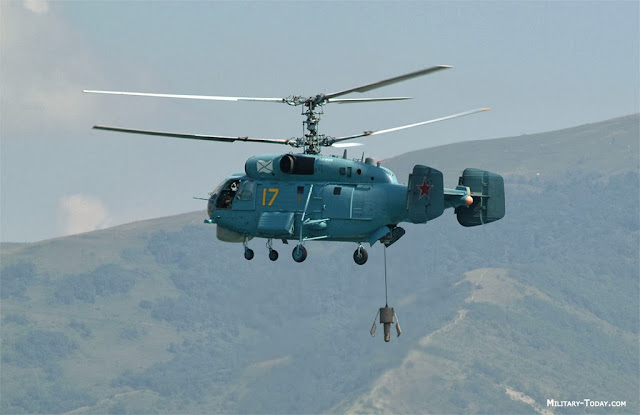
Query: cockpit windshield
[217,189]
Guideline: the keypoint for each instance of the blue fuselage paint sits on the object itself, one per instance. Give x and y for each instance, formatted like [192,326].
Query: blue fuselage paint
[328,197]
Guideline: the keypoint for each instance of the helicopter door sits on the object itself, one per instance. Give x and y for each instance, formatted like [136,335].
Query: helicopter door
[337,200]
[362,206]
[245,197]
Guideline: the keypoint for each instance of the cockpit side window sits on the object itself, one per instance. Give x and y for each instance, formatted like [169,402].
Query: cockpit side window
[227,194]
[246,190]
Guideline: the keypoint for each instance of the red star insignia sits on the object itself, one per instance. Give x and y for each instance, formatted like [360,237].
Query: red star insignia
[424,189]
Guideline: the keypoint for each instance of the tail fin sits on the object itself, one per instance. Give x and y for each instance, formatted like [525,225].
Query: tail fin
[425,194]
[487,190]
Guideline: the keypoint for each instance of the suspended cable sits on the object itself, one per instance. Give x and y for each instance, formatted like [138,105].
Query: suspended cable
[386,301]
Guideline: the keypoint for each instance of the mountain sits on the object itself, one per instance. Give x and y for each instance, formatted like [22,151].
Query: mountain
[160,317]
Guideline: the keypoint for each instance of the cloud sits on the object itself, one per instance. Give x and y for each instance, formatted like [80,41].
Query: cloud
[36,6]
[80,213]
[44,67]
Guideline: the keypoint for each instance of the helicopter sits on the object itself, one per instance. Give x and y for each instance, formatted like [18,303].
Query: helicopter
[308,196]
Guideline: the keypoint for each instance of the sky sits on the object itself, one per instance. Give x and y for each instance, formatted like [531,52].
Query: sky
[540,66]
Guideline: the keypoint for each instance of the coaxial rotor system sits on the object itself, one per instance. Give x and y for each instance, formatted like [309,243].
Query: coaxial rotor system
[312,141]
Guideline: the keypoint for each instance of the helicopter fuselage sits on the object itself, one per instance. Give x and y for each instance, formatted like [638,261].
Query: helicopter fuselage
[308,197]
[311,197]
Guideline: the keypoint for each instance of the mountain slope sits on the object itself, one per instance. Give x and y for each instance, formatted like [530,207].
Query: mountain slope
[509,349]
[608,148]
[160,317]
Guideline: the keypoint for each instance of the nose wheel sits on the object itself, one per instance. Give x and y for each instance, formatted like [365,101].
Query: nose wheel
[248,252]
[273,254]
[360,255]
[299,253]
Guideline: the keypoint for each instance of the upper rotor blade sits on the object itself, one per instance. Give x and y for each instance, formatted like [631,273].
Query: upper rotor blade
[193,136]
[356,100]
[448,117]
[385,82]
[207,97]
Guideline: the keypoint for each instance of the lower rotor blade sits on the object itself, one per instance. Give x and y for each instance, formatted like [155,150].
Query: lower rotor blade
[448,117]
[346,145]
[193,136]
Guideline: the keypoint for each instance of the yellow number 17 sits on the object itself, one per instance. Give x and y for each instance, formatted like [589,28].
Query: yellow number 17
[264,195]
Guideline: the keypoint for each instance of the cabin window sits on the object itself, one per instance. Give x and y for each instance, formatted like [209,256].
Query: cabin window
[337,190]
[345,171]
[246,190]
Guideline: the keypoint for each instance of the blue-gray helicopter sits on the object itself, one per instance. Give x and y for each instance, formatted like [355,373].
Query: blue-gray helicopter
[308,196]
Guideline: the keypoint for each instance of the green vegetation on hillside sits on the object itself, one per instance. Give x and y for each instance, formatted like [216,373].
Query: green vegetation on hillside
[105,280]
[16,278]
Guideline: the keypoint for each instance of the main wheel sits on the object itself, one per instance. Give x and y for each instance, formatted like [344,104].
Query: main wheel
[360,256]
[273,255]
[248,254]
[299,253]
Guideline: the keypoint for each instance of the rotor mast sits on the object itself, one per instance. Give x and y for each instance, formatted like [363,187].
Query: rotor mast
[311,141]
[312,137]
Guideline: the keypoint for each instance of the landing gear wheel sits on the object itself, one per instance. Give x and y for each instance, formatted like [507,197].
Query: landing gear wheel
[360,256]
[299,253]
[248,254]
[273,255]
